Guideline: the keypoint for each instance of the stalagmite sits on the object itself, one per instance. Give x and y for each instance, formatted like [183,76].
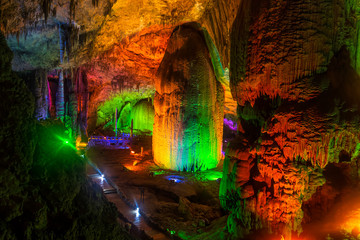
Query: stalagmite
[188,103]
[60,92]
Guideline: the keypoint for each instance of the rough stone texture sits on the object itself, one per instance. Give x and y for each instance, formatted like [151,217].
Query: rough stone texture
[111,38]
[293,74]
[129,17]
[281,48]
[17,128]
[41,95]
[218,22]
[88,17]
[188,105]
[44,190]
[115,41]
[142,115]
[82,94]
[36,82]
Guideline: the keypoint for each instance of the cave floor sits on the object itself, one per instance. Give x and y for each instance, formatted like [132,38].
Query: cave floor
[182,203]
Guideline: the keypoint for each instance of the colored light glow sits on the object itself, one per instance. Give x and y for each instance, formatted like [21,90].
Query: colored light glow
[131,167]
[80,144]
[172,232]
[174,178]
[124,102]
[65,142]
[230,124]
[213,175]
[188,124]
[102,177]
[137,212]
[155,173]
[142,115]
[353,222]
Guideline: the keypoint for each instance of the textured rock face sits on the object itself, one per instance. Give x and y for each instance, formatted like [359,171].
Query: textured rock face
[142,115]
[112,41]
[281,48]
[218,21]
[188,105]
[293,74]
[44,190]
[18,127]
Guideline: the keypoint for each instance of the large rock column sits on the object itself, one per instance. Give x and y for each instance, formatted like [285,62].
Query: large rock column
[188,122]
[293,74]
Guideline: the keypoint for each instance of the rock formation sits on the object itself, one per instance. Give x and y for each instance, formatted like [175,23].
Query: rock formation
[188,105]
[44,190]
[142,115]
[293,74]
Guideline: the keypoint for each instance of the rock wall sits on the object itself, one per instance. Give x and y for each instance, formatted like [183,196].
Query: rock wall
[281,48]
[36,82]
[293,74]
[218,21]
[44,190]
[142,115]
[188,105]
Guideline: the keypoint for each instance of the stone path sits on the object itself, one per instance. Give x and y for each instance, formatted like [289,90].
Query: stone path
[126,207]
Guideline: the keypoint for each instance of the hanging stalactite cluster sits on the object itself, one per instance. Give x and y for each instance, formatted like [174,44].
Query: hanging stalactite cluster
[46,8]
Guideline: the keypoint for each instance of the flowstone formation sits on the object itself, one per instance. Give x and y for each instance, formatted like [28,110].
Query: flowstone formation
[294,75]
[142,115]
[188,104]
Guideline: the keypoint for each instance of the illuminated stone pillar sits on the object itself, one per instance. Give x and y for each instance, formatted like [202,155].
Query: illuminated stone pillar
[60,92]
[41,94]
[188,124]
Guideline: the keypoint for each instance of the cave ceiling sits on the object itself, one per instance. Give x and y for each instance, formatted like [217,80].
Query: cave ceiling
[112,39]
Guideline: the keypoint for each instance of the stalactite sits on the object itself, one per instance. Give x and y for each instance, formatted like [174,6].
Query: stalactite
[73,4]
[46,7]
[95,3]
[82,103]
[73,103]
[41,94]
[60,97]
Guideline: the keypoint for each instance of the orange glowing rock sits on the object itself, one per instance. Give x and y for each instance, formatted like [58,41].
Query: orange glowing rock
[352,224]
[298,96]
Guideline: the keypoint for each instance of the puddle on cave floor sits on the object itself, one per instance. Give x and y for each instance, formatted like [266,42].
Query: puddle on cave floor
[198,193]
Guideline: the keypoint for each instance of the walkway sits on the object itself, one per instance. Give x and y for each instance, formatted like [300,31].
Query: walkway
[120,142]
[128,210]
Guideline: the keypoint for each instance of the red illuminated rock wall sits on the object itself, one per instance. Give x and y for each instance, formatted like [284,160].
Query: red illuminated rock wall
[293,74]
[188,105]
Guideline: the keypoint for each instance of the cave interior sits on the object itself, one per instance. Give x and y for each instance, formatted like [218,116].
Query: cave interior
[180,119]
